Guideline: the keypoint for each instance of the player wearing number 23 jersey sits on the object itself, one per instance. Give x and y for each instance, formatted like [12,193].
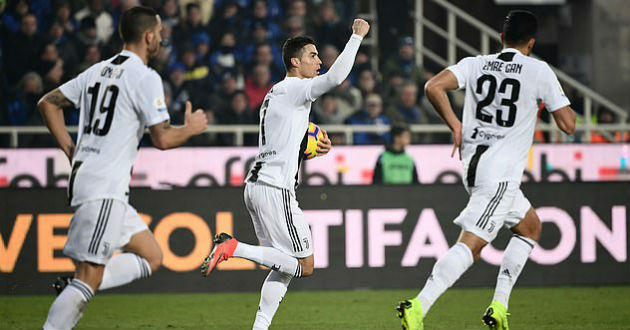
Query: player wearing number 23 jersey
[503,92]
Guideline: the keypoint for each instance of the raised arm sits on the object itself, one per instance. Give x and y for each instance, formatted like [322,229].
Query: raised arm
[51,108]
[340,70]
[164,136]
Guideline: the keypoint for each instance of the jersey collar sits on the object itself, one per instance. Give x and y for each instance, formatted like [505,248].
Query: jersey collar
[511,50]
[132,55]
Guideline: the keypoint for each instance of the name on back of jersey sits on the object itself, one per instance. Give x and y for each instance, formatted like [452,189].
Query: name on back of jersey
[502,66]
[112,72]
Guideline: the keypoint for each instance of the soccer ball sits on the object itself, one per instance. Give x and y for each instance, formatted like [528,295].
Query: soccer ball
[314,134]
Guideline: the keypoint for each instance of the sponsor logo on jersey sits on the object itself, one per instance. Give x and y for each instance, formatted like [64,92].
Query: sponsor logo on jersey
[478,133]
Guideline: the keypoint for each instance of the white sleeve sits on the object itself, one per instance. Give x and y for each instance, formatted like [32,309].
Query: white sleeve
[150,102]
[338,72]
[550,91]
[73,89]
[462,70]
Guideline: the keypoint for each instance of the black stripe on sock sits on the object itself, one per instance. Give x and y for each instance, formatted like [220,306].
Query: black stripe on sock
[98,223]
[496,204]
[496,194]
[104,226]
[524,240]
[85,291]
[140,264]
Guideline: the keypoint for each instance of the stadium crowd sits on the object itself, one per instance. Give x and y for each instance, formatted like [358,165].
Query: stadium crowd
[222,55]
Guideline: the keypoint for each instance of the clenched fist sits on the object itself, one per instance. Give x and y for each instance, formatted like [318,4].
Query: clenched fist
[360,27]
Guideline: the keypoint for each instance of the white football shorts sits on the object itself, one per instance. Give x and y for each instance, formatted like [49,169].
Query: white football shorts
[491,207]
[100,227]
[278,219]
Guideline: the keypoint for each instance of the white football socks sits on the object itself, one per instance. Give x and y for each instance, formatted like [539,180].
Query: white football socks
[273,290]
[124,268]
[514,258]
[269,257]
[67,309]
[445,272]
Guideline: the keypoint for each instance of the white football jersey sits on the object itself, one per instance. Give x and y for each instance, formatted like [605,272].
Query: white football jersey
[118,98]
[500,112]
[284,117]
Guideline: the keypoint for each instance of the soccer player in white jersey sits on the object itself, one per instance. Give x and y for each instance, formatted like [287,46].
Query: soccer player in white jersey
[285,239]
[499,117]
[118,98]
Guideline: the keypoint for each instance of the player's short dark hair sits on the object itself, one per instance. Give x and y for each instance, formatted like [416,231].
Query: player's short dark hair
[519,27]
[293,47]
[135,22]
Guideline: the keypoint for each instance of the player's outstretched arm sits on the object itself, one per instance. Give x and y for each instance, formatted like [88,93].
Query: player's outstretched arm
[51,108]
[565,119]
[164,136]
[340,70]
[435,89]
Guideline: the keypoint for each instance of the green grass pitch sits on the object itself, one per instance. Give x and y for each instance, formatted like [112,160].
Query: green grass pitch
[570,308]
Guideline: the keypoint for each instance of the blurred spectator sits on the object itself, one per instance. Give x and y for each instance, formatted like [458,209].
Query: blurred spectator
[257,86]
[229,85]
[86,37]
[13,14]
[63,16]
[605,116]
[404,64]
[170,13]
[224,58]
[26,48]
[53,72]
[394,165]
[189,27]
[201,45]
[328,56]
[367,83]
[349,99]
[260,16]
[295,26]
[180,89]
[271,57]
[102,19]
[205,9]
[297,8]
[228,17]
[371,115]
[406,110]
[362,62]
[22,107]
[92,56]
[329,29]
[326,111]
[237,113]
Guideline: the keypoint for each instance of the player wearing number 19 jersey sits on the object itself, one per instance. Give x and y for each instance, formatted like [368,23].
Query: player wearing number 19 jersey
[118,98]
[499,117]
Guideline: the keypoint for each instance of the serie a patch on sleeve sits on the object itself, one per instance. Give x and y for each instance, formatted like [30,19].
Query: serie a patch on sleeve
[159,104]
